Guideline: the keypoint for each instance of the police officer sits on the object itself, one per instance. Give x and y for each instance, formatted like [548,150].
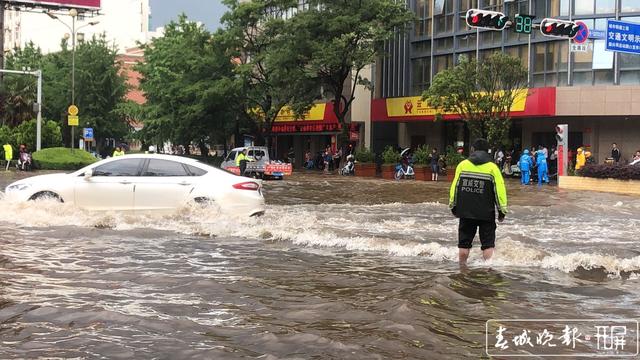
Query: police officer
[477,189]
[241,161]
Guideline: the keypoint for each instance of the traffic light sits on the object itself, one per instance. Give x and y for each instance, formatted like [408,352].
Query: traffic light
[486,19]
[559,28]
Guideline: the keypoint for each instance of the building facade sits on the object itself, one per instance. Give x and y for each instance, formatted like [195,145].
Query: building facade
[123,22]
[594,91]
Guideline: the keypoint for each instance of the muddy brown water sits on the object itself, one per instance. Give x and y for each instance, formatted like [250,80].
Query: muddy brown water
[338,268]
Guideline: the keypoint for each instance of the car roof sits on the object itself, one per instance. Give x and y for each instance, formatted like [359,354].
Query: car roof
[250,148]
[181,159]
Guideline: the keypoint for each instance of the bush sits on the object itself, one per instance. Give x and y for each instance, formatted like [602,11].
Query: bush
[364,155]
[390,155]
[603,171]
[62,159]
[422,155]
[25,133]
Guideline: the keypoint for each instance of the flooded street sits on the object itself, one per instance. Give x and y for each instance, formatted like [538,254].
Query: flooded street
[337,268]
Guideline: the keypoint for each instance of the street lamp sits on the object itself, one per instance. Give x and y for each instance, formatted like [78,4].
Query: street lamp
[74,33]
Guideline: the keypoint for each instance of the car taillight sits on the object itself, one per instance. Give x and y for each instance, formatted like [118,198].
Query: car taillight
[250,185]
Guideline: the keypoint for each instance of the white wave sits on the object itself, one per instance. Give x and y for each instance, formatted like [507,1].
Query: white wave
[424,230]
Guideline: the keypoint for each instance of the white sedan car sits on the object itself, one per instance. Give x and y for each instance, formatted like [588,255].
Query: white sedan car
[145,183]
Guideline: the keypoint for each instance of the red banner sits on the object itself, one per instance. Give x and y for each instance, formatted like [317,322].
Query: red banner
[78,4]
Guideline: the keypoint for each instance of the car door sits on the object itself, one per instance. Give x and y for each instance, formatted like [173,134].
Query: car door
[230,161]
[110,187]
[164,185]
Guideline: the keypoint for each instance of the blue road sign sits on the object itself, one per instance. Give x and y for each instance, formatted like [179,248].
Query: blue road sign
[597,34]
[88,134]
[623,36]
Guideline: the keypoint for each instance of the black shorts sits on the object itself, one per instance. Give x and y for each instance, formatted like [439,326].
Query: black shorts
[467,231]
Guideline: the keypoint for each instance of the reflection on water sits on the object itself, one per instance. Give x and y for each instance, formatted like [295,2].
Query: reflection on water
[338,268]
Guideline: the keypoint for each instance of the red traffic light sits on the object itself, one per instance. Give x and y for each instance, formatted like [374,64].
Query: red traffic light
[485,19]
[559,28]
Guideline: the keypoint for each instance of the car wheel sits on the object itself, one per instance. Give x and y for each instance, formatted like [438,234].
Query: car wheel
[46,195]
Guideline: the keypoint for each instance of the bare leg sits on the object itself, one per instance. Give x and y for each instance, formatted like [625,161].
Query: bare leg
[463,255]
[487,253]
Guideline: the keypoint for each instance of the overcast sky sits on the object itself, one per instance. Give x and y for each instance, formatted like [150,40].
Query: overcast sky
[206,11]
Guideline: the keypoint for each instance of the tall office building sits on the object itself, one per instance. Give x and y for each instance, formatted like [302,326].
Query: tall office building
[124,22]
[595,91]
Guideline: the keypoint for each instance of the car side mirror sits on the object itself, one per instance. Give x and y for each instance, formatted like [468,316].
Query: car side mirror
[88,174]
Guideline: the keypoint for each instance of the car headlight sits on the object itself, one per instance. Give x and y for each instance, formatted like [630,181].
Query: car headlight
[18,187]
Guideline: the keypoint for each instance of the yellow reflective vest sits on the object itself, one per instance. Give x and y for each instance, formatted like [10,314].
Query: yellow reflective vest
[8,152]
[118,153]
[478,188]
[240,157]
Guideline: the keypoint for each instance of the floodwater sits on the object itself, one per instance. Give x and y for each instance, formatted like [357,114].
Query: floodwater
[338,268]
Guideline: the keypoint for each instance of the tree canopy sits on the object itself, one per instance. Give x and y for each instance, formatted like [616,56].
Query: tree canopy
[189,85]
[482,93]
[340,38]
[100,87]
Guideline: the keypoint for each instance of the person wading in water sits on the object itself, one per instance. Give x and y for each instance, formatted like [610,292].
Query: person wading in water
[477,189]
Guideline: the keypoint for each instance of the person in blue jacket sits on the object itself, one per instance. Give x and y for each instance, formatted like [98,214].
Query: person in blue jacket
[525,164]
[541,160]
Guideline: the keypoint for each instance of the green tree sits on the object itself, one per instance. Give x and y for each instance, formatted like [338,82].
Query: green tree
[19,91]
[100,87]
[271,65]
[189,85]
[340,38]
[482,94]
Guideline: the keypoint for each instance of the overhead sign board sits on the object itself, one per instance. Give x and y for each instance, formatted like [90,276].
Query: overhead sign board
[77,4]
[623,36]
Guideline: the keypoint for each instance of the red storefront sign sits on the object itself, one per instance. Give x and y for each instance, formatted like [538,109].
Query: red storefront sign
[328,124]
[78,4]
[541,102]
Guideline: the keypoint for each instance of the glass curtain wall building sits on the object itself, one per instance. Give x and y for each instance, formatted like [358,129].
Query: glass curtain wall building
[585,89]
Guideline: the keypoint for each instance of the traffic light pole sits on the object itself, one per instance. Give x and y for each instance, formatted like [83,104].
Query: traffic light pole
[529,71]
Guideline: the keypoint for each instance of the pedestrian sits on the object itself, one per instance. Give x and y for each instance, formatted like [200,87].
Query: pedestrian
[553,160]
[8,154]
[118,151]
[499,158]
[543,170]
[525,164]
[615,153]
[636,159]
[477,189]
[435,168]
[241,161]
[581,160]
[337,158]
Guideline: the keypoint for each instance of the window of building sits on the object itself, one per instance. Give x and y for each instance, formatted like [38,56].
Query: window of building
[538,58]
[423,14]
[442,62]
[605,6]
[630,6]
[582,78]
[421,69]
[444,44]
[584,7]
[444,20]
